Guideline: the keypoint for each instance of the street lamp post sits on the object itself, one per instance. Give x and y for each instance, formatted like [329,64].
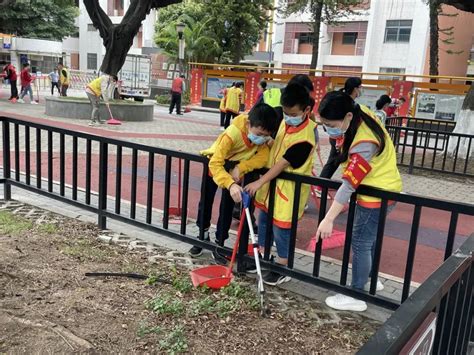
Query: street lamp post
[180,30]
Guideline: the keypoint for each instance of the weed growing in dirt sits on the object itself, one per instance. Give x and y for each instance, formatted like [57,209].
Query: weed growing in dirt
[200,306]
[13,225]
[181,283]
[144,329]
[48,228]
[165,304]
[175,341]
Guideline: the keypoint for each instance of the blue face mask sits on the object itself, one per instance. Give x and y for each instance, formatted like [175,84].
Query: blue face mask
[293,121]
[258,140]
[334,132]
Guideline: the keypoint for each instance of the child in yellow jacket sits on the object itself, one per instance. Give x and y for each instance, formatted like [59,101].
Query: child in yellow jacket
[291,152]
[239,150]
[234,99]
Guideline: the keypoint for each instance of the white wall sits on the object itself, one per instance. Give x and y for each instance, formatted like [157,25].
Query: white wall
[38,46]
[410,56]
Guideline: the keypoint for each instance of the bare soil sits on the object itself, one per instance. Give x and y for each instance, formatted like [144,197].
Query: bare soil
[48,305]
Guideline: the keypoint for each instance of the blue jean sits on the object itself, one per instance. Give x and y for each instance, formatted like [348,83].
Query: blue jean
[27,90]
[364,236]
[280,235]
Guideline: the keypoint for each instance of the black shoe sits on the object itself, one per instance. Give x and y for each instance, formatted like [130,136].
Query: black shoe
[195,251]
[219,258]
[273,278]
[180,114]
[252,268]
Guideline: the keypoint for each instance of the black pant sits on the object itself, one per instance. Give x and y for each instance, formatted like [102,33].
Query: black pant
[175,100]
[13,90]
[228,116]
[222,119]
[64,90]
[332,164]
[52,88]
[226,208]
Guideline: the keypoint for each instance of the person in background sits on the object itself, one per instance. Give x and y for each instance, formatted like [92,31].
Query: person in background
[64,78]
[10,74]
[236,153]
[26,80]
[353,88]
[292,152]
[222,104]
[393,108]
[234,100]
[262,87]
[54,77]
[381,105]
[103,86]
[368,157]
[177,88]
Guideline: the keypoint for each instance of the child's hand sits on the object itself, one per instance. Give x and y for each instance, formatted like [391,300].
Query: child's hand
[325,229]
[236,193]
[235,173]
[253,187]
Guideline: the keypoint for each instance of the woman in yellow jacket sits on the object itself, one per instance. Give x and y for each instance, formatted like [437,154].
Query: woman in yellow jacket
[234,99]
[368,157]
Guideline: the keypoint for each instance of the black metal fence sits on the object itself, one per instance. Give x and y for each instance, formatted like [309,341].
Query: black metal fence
[445,301]
[91,171]
[426,148]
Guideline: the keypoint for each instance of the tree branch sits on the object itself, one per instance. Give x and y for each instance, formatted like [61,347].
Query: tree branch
[99,18]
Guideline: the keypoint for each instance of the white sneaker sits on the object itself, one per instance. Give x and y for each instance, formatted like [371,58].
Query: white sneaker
[91,123]
[33,103]
[345,303]
[20,101]
[378,288]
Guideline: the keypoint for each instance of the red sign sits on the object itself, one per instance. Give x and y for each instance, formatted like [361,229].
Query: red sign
[320,89]
[251,88]
[402,89]
[421,342]
[196,85]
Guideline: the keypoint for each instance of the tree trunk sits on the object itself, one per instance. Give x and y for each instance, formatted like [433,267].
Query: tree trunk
[316,10]
[468,103]
[118,39]
[434,37]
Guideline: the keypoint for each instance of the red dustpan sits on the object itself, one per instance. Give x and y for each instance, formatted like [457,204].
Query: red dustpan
[112,120]
[336,240]
[217,276]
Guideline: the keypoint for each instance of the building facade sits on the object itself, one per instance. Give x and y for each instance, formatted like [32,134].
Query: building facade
[381,36]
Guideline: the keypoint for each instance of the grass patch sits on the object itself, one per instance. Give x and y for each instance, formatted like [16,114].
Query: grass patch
[48,228]
[85,250]
[144,330]
[13,225]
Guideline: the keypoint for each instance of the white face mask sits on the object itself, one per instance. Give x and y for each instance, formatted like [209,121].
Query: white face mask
[293,121]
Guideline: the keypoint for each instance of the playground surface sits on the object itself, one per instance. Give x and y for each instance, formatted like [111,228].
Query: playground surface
[197,130]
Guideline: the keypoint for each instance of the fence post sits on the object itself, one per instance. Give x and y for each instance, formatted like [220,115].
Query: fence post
[413,151]
[7,193]
[102,205]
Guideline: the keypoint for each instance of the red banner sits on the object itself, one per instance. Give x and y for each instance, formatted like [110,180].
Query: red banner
[196,86]
[321,84]
[402,89]
[251,88]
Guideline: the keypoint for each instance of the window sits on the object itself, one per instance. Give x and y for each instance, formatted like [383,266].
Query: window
[389,71]
[91,28]
[305,38]
[75,34]
[398,30]
[349,38]
[91,61]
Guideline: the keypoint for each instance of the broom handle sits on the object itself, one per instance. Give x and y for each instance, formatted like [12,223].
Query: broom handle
[236,246]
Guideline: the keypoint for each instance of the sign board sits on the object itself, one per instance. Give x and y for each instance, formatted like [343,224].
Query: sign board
[402,89]
[438,106]
[370,96]
[251,87]
[7,42]
[196,85]
[421,343]
[215,86]
[320,89]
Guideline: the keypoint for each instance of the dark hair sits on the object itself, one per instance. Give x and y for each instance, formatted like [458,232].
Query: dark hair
[182,76]
[264,116]
[351,84]
[335,105]
[26,65]
[263,84]
[402,98]
[115,77]
[295,94]
[303,80]
[382,101]
[238,84]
